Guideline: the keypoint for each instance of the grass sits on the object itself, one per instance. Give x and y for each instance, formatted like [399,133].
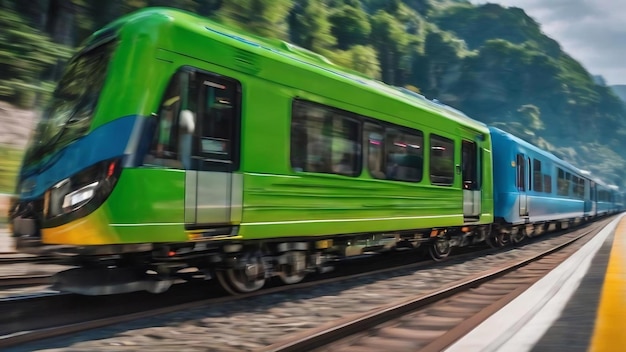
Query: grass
[10,161]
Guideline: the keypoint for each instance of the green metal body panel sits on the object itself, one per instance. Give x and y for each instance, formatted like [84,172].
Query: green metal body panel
[152,198]
[147,204]
[319,204]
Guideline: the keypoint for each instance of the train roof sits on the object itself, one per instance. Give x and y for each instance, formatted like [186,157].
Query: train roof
[538,150]
[584,173]
[287,53]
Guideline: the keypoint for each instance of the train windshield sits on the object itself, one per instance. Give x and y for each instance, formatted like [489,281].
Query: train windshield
[69,113]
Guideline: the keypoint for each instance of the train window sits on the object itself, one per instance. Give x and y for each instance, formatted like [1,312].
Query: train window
[324,140]
[530,176]
[165,146]
[373,137]
[603,196]
[547,183]
[404,159]
[579,187]
[562,183]
[441,160]
[197,123]
[215,99]
[537,176]
[521,172]
[469,165]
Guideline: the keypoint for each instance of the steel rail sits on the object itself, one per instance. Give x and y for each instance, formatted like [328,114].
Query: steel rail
[326,334]
[31,335]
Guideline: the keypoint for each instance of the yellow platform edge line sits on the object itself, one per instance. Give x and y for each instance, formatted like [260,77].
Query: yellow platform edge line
[609,333]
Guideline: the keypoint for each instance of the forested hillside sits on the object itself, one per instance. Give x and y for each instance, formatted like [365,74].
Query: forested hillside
[491,62]
[620,91]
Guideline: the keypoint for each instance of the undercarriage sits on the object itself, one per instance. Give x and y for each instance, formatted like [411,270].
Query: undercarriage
[239,267]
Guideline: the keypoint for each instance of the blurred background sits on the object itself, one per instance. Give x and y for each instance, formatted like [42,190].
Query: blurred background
[494,63]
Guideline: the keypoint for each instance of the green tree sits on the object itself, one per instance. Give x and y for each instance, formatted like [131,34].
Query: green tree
[478,24]
[209,7]
[359,58]
[263,17]
[391,41]
[309,26]
[350,26]
[24,53]
[442,58]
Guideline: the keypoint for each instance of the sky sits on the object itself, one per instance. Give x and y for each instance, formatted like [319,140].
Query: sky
[591,31]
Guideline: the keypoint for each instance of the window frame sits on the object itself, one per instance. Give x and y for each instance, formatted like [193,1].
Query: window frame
[337,113]
[449,181]
[537,176]
[230,163]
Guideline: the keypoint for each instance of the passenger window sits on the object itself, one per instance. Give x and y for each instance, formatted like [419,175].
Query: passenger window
[537,176]
[164,149]
[581,188]
[547,183]
[576,185]
[441,160]
[324,140]
[373,137]
[404,159]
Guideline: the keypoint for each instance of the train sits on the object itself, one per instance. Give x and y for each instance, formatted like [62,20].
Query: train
[177,148]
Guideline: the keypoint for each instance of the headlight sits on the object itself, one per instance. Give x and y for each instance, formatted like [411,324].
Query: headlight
[81,193]
[79,197]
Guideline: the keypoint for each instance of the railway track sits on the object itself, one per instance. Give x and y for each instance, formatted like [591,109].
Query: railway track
[24,280]
[33,328]
[22,259]
[23,271]
[93,312]
[433,321]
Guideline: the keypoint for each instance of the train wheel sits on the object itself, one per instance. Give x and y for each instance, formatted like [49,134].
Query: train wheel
[294,271]
[498,240]
[249,278]
[440,250]
[221,278]
[518,236]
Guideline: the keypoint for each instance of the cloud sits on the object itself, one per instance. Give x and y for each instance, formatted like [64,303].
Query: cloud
[591,31]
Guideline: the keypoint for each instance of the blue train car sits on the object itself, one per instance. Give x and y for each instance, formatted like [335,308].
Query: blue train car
[615,199]
[620,202]
[534,188]
[606,196]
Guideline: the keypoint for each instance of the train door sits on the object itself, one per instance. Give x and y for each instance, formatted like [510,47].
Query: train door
[471,166]
[213,193]
[523,182]
[594,198]
[587,197]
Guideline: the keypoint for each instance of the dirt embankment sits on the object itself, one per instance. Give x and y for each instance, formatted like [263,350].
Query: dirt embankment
[16,125]
[4,208]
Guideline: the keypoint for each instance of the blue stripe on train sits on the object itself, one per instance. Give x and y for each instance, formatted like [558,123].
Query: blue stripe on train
[106,142]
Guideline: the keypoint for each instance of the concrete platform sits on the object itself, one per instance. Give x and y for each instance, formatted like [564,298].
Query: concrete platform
[7,244]
[579,306]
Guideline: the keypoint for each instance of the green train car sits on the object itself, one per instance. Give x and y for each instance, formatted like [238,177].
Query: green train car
[173,143]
